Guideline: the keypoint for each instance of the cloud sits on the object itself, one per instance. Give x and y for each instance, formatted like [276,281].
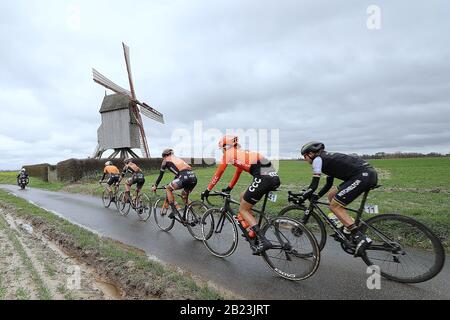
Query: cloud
[308,68]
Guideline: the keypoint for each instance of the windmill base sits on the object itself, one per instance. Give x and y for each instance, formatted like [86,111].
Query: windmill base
[121,153]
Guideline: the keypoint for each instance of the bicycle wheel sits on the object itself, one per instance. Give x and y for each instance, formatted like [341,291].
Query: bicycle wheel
[296,254]
[312,221]
[194,215]
[404,249]
[219,232]
[106,198]
[161,212]
[143,207]
[122,206]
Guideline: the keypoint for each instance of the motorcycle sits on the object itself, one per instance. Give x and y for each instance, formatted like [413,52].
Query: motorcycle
[23,183]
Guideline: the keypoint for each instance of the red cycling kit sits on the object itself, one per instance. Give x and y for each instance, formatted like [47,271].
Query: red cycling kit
[265,177]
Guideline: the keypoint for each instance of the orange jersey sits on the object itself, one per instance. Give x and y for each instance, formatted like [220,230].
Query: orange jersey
[174,164]
[241,159]
[111,170]
[130,168]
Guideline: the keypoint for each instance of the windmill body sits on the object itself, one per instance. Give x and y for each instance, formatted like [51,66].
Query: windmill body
[122,127]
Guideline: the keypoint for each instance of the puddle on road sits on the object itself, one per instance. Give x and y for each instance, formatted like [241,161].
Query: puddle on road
[109,289]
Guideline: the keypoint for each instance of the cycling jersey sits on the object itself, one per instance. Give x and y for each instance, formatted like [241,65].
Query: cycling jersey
[130,168]
[251,162]
[137,175]
[338,165]
[173,164]
[111,170]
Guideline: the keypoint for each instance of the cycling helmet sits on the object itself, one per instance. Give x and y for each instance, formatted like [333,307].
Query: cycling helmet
[312,147]
[228,141]
[109,163]
[167,152]
[23,170]
[128,160]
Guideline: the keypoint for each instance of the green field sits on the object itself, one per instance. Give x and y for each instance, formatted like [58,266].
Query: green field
[417,187]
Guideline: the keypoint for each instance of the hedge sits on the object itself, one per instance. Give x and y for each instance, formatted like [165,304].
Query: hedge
[74,169]
[39,171]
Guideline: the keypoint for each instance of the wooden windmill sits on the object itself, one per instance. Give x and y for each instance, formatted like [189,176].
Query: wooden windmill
[122,128]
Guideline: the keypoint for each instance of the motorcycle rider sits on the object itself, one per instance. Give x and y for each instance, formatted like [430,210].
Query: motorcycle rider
[23,174]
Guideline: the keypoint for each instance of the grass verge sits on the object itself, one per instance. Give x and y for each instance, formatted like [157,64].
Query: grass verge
[43,291]
[128,267]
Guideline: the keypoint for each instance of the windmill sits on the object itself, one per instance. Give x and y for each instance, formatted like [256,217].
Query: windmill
[122,128]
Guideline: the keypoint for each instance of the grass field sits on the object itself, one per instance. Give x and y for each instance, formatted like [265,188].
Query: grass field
[417,187]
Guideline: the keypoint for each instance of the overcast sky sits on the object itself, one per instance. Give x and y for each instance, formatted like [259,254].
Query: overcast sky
[312,69]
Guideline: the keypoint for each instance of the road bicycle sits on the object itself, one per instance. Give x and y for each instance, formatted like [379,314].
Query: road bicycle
[294,254]
[109,197]
[140,203]
[166,214]
[404,249]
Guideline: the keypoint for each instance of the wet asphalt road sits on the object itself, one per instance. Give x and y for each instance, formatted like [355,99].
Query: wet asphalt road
[340,276]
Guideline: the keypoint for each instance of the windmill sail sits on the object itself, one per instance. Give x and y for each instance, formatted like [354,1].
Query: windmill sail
[104,81]
[126,52]
[142,144]
[151,113]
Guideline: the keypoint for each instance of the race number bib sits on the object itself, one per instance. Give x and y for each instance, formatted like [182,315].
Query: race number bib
[272,197]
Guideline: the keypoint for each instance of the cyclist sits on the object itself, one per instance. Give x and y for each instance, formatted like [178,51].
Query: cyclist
[23,174]
[265,179]
[114,177]
[137,177]
[184,178]
[358,176]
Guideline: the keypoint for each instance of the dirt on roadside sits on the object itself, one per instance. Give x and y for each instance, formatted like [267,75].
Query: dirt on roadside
[32,267]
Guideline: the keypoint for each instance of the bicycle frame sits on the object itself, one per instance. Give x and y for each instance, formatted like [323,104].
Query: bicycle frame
[181,218]
[315,206]
[227,208]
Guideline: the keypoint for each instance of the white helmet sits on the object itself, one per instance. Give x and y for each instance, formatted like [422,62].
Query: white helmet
[109,163]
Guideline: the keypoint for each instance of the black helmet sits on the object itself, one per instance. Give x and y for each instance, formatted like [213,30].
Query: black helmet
[167,152]
[312,147]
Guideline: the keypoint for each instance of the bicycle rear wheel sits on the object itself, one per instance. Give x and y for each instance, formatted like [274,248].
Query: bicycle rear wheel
[296,254]
[122,206]
[404,249]
[219,232]
[161,212]
[106,198]
[194,214]
[143,207]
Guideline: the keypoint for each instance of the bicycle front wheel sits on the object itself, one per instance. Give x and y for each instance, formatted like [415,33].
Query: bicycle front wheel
[194,214]
[106,198]
[219,232]
[404,249]
[161,212]
[295,254]
[312,221]
[123,206]
[143,207]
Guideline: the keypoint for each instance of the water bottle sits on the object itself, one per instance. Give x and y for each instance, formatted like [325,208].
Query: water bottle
[246,226]
[335,220]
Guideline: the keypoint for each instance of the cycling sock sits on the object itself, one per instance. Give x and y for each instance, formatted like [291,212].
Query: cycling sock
[353,228]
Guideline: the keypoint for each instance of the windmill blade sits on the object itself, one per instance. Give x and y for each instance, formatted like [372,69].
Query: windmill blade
[143,150]
[126,53]
[104,81]
[150,112]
